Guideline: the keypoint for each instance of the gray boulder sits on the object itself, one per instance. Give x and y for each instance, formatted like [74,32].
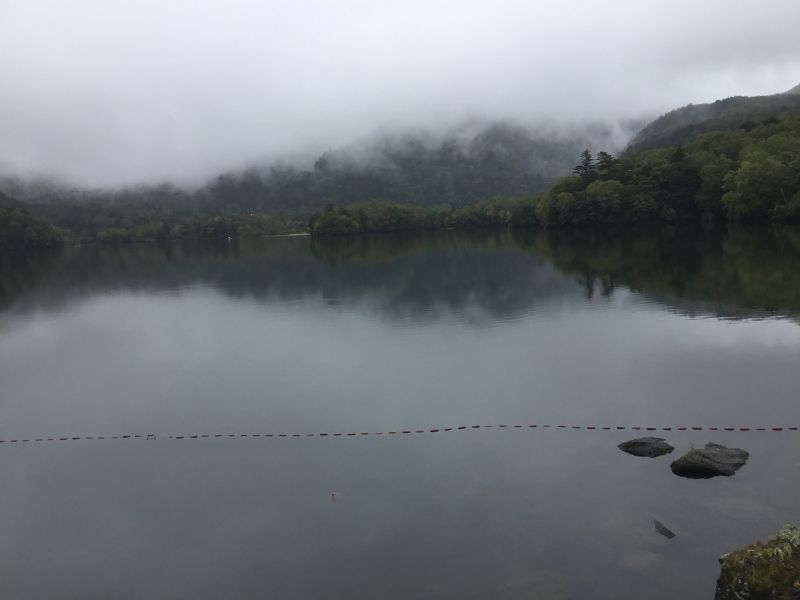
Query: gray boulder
[711,461]
[646,446]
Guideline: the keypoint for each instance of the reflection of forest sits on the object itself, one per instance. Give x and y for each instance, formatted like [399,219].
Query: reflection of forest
[734,273]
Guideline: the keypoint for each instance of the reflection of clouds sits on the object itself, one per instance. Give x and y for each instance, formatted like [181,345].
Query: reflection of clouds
[249,342]
[423,277]
[538,583]
[482,277]
[711,331]
[177,362]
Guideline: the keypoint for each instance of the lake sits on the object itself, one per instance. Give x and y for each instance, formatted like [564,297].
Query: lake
[385,333]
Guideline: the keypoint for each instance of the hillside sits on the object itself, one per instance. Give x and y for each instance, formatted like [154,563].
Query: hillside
[684,124]
[459,167]
[18,229]
[735,158]
[748,174]
[741,175]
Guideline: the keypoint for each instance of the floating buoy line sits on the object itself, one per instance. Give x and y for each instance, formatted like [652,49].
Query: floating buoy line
[395,432]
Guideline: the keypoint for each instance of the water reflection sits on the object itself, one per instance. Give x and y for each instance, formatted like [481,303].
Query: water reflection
[734,274]
[375,333]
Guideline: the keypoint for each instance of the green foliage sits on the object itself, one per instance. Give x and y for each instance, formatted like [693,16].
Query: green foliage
[682,125]
[499,159]
[755,187]
[585,168]
[373,217]
[604,200]
[770,570]
[606,167]
[19,229]
[742,175]
[132,222]
[724,264]
[787,541]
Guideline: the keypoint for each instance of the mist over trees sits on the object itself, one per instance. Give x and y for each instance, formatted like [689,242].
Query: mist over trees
[498,175]
[751,174]
[683,124]
[466,166]
[19,229]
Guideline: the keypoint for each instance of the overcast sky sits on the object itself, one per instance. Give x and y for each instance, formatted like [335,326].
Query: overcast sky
[109,92]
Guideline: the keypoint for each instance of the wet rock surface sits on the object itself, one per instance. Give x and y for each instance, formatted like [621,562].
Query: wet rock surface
[770,570]
[711,461]
[649,447]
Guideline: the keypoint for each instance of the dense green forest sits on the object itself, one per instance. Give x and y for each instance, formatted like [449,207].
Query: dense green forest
[747,169]
[135,222]
[373,217]
[459,168]
[682,125]
[18,229]
[750,174]
[453,169]
[500,160]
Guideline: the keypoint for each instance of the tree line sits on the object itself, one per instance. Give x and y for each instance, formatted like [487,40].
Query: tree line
[19,229]
[751,174]
[748,174]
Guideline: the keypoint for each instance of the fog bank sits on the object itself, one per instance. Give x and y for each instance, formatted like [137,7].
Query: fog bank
[114,93]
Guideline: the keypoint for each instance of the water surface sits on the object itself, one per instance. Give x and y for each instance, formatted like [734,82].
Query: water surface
[293,335]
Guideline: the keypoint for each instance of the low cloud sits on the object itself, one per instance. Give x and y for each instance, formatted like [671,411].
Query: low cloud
[112,92]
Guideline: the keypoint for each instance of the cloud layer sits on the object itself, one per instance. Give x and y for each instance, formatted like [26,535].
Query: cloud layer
[109,92]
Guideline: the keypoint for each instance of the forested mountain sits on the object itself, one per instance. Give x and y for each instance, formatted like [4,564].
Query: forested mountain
[18,229]
[684,124]
[737,158]
[741,175]
[748,174]
[454,169]
[499,160]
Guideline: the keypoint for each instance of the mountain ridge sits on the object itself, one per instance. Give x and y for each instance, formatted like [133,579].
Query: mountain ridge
[682,124]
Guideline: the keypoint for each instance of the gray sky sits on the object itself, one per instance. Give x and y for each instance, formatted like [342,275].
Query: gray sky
[110,92]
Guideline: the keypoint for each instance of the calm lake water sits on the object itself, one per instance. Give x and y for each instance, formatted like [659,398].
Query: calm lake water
[390,333]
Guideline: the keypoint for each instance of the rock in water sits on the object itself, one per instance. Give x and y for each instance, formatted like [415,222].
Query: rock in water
[709,462]
[646,446]
[663,529]
[770,570]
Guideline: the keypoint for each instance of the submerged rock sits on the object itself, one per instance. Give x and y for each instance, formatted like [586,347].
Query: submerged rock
[663,529]
[770,570]
[646,446]
[709,462]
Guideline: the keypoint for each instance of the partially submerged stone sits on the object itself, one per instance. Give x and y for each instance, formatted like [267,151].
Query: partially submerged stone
[770,570]
[663,529]
[646,446]
[709,462]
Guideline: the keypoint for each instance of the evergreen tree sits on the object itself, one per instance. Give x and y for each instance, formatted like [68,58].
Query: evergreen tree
[586,168]
[606,167]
